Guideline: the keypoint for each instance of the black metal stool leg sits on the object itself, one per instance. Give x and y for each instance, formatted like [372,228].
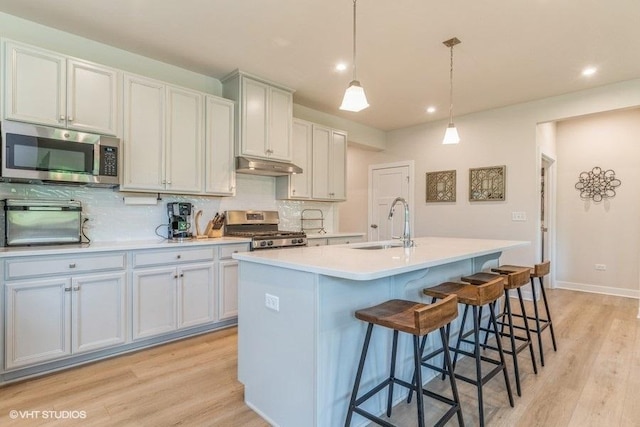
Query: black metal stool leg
[537,318]
[546,306]
[513,353]
[528,331]
[501,353]
[444,335]
[392,372]
[476,351]
[356,385]
[417,356]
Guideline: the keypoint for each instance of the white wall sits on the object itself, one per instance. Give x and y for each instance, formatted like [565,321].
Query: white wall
[505,136]
[606,232]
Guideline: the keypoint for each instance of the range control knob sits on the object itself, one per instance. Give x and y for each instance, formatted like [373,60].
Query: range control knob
[263,243]
[270,243]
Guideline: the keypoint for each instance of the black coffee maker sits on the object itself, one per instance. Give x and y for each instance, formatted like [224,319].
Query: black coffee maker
[179,220]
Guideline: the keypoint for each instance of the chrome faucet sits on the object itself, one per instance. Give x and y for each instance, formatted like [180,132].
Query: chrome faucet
[406,235]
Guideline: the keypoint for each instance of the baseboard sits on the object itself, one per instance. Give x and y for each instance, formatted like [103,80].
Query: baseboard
[595,289]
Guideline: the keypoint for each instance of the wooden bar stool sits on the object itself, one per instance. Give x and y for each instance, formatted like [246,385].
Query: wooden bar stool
[418,320]
[475,297]
[539,271]
[515,280]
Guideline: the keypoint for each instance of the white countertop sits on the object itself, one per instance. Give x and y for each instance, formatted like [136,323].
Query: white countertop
[115,246]
[346,262]
[332,235]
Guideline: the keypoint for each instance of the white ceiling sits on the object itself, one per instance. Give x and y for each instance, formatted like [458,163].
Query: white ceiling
[512,50]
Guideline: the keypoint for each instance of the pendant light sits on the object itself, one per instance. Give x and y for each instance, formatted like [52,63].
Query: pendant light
[354,97]
[451,135]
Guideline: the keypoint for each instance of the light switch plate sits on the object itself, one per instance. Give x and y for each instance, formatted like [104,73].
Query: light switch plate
[518,216]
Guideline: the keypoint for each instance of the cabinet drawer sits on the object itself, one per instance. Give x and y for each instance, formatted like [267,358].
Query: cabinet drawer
[164,257]
[226,251]
[20,268]
[345,240]
[316,242]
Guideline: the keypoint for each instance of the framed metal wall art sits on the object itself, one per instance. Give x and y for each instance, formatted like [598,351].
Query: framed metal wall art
[441,186]
[487,184]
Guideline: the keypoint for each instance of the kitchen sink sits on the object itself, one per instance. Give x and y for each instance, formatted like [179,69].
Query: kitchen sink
[380,246]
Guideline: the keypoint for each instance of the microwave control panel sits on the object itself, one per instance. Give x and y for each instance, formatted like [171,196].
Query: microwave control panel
[108,161]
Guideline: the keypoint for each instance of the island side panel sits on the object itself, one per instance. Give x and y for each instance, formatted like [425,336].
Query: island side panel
[276,349]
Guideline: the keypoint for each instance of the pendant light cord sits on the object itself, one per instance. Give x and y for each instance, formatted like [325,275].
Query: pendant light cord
[451,89]
[354,39]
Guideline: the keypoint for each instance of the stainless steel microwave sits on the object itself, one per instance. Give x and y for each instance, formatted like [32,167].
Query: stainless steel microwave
[32,153]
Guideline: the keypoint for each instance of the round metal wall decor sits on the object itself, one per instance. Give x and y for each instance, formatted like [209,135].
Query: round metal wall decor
[597,184]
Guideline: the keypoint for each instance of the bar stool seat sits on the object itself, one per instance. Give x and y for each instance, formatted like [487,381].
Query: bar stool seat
[418,320]
[475,297]
[539,271]
[514,280]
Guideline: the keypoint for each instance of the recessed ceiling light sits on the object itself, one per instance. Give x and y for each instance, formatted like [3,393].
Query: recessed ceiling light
[431,110]
[589,71]
[341,66]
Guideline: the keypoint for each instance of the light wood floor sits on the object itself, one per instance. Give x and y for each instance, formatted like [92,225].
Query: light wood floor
[591,381]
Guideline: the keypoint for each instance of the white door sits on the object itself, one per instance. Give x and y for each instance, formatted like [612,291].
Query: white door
[386,182]
[254,118]
[338,166]
[38,321]
[321,155]
[228,290]
[195,294]
[154,301]
[280,117]
[220,172]
[99,311]
[302,143]
[92,103]
[185,161]
[35,85]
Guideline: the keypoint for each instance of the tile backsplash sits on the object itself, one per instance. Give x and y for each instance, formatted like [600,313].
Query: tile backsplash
[111,220]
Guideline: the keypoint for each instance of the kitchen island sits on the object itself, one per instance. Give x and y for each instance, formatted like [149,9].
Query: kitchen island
[298,341]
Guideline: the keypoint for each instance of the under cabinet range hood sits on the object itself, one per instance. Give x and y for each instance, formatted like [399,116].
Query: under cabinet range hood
[253,166]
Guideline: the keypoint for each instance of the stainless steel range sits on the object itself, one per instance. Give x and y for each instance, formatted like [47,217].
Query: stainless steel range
[262,228]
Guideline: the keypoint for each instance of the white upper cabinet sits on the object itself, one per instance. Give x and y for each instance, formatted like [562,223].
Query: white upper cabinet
[163,137]
[47,88]
[329,164]
[220,176]
[298,186]
[264,117]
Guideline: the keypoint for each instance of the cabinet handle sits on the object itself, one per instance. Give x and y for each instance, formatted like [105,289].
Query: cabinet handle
[67,289]
[293,191]
[179,256]
[72,265]
[77,288]
[181,274]
[62,118]
[70,119]
[175,276]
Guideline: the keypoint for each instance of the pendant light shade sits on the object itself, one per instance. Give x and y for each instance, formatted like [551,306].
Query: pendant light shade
[354,98]
[451,134]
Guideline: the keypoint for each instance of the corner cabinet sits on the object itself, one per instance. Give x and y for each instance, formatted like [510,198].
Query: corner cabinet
[264,113]
[51,89]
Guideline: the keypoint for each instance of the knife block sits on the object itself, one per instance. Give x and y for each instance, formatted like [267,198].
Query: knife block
[215,233]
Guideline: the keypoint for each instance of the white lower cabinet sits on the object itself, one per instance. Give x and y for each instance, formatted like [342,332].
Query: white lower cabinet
[228,289]
[47,319]
[166,299]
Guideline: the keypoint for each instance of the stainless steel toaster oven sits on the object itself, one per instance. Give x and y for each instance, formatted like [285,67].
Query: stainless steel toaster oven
[40,222]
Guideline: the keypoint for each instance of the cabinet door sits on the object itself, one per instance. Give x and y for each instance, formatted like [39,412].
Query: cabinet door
[338,166]
[219,171]
[185,131]
[253,141]
[302,138]
[34,85]
[92,102]
[143,138]
[321,159]
[280,117]
[154,302]
[98,311]
[228,290]
[195,295]
[38,321]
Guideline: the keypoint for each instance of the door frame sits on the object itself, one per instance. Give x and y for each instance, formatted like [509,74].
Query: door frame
[549,164]
[404,163]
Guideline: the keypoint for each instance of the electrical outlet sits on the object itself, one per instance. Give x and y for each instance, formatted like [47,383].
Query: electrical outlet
[518,216]
[601,267]
[272,302]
